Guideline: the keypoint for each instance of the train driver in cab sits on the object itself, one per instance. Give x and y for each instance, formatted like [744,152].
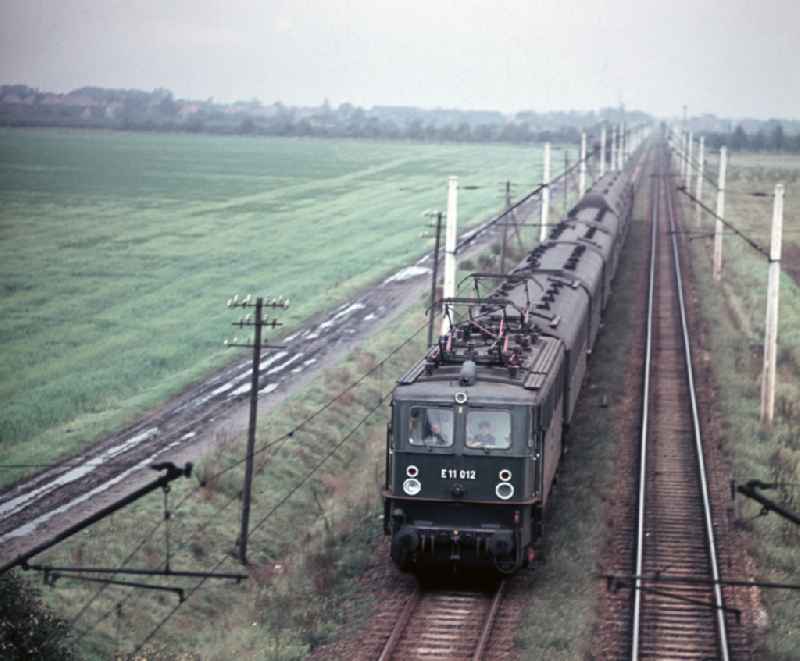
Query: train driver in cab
[484,438]
[431,427]
[488,430]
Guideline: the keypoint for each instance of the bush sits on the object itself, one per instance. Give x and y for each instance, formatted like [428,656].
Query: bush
[28,630]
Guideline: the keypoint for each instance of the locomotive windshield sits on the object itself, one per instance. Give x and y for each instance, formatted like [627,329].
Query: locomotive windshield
[430,426]
[488,429]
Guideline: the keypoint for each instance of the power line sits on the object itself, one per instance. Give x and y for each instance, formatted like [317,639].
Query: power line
[727,223]
[526,198]
[696,164]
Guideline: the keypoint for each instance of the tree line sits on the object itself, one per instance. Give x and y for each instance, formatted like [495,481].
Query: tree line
[773,138]
[159,110]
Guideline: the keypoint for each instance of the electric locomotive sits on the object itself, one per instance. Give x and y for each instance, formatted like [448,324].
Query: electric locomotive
[475,433]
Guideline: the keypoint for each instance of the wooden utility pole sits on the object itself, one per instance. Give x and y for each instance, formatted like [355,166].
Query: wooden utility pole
[504,245]
[688,157]
[771,330]
[582,167]
[624,151]
[565,181]
[257,322]
[603,151]
[698,191]
[545,216]
[723,164]
[613,154]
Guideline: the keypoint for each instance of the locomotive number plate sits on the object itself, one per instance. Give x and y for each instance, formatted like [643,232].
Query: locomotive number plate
[456,474]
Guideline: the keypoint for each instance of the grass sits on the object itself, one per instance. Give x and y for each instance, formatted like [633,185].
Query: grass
[736,311]
[119,251]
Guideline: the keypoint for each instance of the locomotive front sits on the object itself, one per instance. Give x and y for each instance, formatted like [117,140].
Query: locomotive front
[461,473]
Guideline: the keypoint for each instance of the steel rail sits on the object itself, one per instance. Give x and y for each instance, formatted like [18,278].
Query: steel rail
[400,626]
[698,440]
[657,193]
[637,593]
[486,633]
[415,601]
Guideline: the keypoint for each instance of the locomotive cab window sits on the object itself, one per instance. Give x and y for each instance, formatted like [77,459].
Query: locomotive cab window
[430,426]
[488,429]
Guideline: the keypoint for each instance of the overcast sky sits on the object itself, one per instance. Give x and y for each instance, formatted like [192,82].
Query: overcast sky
[731,57]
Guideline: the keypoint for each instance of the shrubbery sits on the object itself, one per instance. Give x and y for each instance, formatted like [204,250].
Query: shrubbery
[28,630]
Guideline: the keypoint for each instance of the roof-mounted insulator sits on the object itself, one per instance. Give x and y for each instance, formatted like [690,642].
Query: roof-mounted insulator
[468,374]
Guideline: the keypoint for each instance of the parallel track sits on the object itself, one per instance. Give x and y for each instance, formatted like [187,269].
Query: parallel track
[674,527]
[453,625]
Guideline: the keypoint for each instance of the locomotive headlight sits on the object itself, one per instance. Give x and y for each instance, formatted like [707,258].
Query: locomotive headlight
[505,475]
[504,490]
[412,486]
[412,471]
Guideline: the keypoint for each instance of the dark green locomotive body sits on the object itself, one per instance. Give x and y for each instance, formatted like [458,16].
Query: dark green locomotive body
[454,495]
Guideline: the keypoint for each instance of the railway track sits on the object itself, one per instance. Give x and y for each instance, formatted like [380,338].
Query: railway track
[444,624]
[675,532]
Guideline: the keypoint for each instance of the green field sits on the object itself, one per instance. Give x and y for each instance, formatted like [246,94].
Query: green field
[736,312]
[120,249]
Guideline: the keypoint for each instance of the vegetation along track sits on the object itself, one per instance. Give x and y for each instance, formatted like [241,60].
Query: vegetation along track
[678,606]
[444,624]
